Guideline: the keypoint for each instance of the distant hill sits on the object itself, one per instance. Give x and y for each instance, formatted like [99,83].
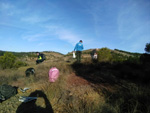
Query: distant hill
[1,52]
[29,54]
[86,54]
[117,51]
[126,52]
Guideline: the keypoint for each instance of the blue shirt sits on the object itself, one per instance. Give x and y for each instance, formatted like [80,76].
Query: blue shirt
[78,47]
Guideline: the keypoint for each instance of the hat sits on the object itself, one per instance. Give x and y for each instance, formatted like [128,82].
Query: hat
[81,41]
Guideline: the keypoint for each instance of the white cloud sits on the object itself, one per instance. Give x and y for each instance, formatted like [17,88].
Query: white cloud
[63,34]
[40,44]
[5,6]
[133,27]
[32,38]
[67,35]
[35,19]
[8,9]
[12,26]
[94,9]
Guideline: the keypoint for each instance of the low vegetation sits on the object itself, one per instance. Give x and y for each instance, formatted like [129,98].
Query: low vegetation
[9,60]
[117,82]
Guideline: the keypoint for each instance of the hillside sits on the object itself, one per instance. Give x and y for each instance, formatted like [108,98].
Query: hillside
[89,87]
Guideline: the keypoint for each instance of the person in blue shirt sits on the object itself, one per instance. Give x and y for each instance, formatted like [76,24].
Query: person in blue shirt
[78,48]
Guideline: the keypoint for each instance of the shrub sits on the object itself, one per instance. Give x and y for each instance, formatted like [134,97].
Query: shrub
[104,55]
[134,99]
[19,64]
[7,60]
[133,60]
[32,55]
[117,57]
[147,48]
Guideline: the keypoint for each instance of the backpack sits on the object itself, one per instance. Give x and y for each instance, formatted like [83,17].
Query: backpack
[30,71]
[53,74]
[43,56]
[7,91]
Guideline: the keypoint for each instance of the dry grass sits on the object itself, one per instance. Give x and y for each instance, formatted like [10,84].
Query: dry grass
[62,97]
[70,93]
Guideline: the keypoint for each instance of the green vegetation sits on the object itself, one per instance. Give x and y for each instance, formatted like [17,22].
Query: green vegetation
[7,60]
[2,53]
[128,53]
[147,47]
[107,55]
[18,64]
[32,55]
[104,55]
[118,57]
[20,54]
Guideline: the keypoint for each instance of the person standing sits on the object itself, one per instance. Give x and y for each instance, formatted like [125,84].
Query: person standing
[78,48]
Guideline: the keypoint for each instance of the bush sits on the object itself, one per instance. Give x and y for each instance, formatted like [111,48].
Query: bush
[32,55]
[19,64]
[7,60]
[117,57]
[133,60]
[104,55]
[147,48]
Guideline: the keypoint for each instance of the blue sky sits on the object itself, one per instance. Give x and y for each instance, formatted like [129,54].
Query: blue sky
[57,25]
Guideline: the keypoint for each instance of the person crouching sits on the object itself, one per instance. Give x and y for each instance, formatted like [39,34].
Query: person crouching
[39,60]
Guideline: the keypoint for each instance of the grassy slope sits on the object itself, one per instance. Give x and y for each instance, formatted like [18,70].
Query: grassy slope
[85,88]
[62,95]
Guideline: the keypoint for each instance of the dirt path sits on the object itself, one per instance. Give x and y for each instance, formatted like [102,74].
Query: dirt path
[75,80]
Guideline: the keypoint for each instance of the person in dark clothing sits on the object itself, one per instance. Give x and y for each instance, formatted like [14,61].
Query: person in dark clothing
[78,48]
[39,60]
[94,55]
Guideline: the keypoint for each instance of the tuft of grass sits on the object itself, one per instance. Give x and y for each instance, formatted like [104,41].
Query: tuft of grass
[9,76]
[132,99]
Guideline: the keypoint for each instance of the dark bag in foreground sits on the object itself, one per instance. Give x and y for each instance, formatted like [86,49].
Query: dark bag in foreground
[7,91]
